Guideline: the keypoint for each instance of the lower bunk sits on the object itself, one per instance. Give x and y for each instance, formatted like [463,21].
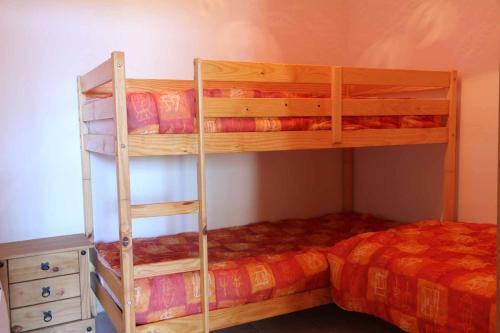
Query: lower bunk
[256,271]
[424,277]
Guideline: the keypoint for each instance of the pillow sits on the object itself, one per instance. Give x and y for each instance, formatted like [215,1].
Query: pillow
[142,115]
[176,111]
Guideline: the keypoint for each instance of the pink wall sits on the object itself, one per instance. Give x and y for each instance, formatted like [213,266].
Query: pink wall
[432,34]
[44,45]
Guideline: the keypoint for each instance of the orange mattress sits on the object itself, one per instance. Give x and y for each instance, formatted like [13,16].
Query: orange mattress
[426,277]
[246,264]
[174,112]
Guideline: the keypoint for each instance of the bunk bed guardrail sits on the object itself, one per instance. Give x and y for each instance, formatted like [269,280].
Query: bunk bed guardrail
[102,98]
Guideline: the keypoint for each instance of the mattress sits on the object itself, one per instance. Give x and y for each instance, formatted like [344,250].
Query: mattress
[173,112]
[246,264]
[427,277]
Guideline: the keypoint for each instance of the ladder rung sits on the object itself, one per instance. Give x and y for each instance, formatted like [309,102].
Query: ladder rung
[167,267]
[164,209]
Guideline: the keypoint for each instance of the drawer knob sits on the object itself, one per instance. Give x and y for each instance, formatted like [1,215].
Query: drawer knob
[47,316]
[44,266]
[17,329]
[45,292]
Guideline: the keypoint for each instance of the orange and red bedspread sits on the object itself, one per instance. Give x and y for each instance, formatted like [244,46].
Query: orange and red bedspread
[246,264]
[174,112]
[427,277]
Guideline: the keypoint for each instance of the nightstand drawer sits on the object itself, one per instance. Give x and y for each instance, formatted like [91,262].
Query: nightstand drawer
[45,290]
[83,326]
[43,266]
[43,315]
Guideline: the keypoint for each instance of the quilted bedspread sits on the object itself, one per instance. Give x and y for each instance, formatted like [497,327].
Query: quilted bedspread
[173,112]
[246,264]
[427,277]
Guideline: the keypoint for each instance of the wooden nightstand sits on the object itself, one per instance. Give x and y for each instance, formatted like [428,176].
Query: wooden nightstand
[47,284]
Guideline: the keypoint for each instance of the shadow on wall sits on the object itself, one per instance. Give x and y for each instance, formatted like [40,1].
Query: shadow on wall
[421,32]
[441,35]
[279,184]
[299,184]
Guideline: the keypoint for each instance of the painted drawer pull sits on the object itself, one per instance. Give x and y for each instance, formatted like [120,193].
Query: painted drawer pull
[45,292]
[44,266]
[47,316]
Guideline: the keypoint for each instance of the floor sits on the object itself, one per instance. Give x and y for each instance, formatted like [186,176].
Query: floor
[323,319]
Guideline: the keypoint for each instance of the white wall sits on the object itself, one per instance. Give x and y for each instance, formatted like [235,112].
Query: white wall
[44,45]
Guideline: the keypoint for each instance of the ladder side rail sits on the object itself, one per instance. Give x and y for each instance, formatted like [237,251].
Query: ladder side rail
[202,215]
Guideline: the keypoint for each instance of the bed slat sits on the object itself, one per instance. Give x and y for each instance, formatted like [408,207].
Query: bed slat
[165,268]
[164,209]
[266,107]
[263,72]
[395,77]
[99,109]
[394,107]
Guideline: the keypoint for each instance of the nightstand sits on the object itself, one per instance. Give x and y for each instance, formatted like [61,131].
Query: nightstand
[47,285]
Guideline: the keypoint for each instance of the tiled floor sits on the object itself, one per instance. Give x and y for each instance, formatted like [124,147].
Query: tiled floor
[324,319]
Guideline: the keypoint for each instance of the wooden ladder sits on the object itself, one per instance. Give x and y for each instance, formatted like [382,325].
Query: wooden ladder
[128,211]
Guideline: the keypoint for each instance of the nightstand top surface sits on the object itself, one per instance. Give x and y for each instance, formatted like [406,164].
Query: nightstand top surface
[43,246]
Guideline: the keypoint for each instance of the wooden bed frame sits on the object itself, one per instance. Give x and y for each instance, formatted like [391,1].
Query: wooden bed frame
[108,81]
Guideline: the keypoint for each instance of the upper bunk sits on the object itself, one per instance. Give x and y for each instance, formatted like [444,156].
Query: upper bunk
[347,107]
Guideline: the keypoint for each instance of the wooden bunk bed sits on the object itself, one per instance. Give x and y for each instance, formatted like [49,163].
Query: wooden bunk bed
[102,97]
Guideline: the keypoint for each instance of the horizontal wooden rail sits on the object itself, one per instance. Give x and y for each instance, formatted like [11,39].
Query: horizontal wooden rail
[167,267]
[154,85]
[164,209]
[394,107]
[266,107]
[102,144]
[320,89]
[185,144]
[241,314]
[98,76]
[378,90]
[113,282]
[263,72]
[395,77]
[162,144]
[99,109]
[112,310]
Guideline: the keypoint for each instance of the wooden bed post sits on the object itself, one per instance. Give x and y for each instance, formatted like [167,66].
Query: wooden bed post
[347,180]
[498,222]
[86,174]
[336,97]
[123,182]
[450,174]
[202,215]
[347,167]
